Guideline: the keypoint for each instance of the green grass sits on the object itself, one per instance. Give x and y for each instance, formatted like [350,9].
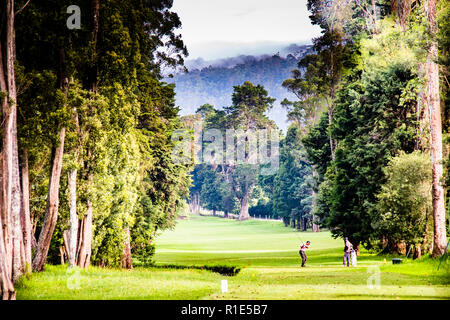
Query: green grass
[266,251]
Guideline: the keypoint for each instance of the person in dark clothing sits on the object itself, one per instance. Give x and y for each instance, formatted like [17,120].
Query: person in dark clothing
[303,248]
[347,250]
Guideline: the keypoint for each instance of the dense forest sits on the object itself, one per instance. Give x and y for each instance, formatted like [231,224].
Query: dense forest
[90,126]
[86,170]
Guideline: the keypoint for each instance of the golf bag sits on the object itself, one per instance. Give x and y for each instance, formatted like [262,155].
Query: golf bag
[353,257]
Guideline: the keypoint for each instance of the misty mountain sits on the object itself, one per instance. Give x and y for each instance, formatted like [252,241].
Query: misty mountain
[212,81]
[297,51]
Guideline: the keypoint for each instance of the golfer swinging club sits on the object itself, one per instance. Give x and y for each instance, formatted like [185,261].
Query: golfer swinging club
[303,248]
[347,250]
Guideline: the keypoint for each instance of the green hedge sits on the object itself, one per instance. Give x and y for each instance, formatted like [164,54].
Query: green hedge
[221,269]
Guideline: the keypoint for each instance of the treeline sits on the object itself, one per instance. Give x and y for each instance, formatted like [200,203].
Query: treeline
[229,171]
[87,175]
[249,189]
[377,151]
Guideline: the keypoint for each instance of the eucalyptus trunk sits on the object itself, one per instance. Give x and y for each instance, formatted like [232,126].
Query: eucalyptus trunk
[243,214]
[330,121]
[87,233]
[440,238]
[51,211]
[11,244]
[25,212]
[127,262]
[85,239]
[16,204]
[73,218]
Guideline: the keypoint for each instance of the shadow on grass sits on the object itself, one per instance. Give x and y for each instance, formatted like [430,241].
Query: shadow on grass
[367,296]
[223,270]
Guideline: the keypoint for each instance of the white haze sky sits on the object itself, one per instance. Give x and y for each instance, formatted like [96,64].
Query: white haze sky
[214,29]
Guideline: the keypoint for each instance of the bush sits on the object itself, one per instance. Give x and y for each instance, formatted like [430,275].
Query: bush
[404,202]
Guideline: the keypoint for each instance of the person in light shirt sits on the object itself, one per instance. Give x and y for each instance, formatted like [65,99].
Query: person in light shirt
[303,248]
[347,250]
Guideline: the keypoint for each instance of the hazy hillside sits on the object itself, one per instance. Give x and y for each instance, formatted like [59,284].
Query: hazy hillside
[214,84]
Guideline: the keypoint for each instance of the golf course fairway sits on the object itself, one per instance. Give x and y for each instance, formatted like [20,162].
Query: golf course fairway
[266,252]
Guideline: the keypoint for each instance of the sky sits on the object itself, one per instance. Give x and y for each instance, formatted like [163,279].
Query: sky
[214,29]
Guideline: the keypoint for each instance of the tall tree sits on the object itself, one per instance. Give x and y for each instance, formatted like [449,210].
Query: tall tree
[11,233]
[51,213]
[371,124]
[247,112]
[434,107]
[292,195]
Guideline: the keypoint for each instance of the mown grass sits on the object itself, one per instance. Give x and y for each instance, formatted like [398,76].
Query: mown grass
[266,251]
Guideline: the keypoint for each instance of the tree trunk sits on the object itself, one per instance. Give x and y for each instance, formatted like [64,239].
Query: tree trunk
[88,236]
[195,203]
[127,262]
[81,231]
[25,212]
[85,239]
[11,244]
[243,214]
[6,285]
[16,204]
[374,16]
[95,8]
[440,237]
[66,242]
[51,212]
[330,120]
[315,226]
[80,246]
[61,254]
[417,252]
[73,218]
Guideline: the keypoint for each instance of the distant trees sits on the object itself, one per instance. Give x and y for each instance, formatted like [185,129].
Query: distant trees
[236,171]
[287,193]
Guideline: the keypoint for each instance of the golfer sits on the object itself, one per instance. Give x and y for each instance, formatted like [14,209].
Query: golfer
[347,249]
[303,248]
